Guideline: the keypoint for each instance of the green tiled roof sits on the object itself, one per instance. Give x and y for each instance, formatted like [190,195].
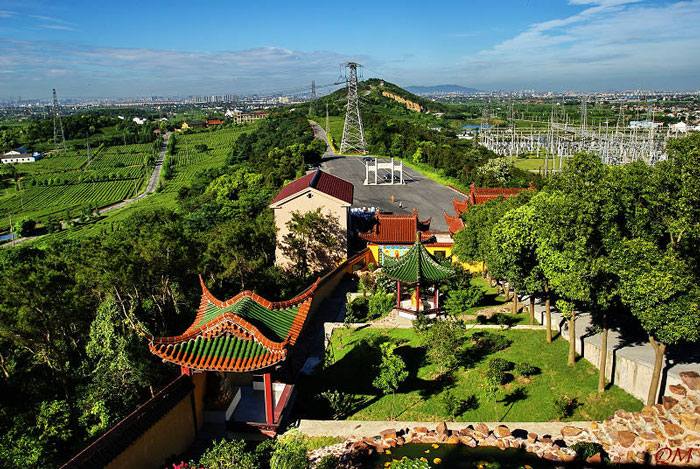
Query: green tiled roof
[274,324]
[417,265]
[224,352]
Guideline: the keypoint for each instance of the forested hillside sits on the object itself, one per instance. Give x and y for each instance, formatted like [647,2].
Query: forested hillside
[75,314]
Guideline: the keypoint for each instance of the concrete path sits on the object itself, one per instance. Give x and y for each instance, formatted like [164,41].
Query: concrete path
[320,133]
[368,428]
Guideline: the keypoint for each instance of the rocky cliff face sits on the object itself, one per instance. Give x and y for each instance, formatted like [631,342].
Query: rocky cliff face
[410,105]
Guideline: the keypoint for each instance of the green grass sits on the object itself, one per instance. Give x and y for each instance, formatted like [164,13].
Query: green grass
[356,355]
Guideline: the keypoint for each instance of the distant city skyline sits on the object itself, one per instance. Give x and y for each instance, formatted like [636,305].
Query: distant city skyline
[181,48]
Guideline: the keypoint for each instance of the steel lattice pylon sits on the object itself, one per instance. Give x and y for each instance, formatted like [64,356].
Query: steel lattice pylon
[353,132]
[57,116]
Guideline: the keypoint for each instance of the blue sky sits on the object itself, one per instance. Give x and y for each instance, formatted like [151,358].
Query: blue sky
[126,48]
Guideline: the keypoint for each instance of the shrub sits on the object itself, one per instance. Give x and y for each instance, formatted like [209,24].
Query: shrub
[289,453]
[379,304]
[500,365]
[339,402]
[329,461]
[444,341]
[358,308]
[490,342]
[421,324]
[527,370]
[227,454]
[587,450]
[454,406]
[462,299]
[565,406]
[263,452]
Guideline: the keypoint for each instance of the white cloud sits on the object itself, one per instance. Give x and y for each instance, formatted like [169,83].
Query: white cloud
[135,71]
[609,41]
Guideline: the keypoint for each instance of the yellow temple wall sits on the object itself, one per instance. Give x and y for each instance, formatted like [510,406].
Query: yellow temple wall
[171,435]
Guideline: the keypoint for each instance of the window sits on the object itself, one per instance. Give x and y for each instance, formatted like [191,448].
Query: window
[439,254]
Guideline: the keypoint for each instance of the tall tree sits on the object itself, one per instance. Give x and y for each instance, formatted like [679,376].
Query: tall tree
[661,290]
[572,247]
[514,255]
[315,243]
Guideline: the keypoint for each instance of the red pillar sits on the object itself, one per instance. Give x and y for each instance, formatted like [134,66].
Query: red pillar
[269,409]
[398,294]
[435,304]
[417,297]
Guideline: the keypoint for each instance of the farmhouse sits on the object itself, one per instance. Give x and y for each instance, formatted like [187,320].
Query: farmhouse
[19,155]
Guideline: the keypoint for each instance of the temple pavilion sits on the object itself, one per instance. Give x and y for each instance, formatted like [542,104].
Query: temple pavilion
[418,271]
[242,345]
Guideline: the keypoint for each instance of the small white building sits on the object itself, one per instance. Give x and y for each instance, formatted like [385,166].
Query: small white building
[645,124]
[20,155]
[139,120]
[680,127]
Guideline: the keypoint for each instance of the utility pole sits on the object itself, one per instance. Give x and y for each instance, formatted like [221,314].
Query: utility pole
[328,129]
[353,132]
[312,101]
[57,117]
[87,139]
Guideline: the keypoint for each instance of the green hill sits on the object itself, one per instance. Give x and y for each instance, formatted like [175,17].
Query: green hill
[401,124]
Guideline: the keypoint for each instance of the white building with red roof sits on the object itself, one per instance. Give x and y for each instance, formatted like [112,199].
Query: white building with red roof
[331,194]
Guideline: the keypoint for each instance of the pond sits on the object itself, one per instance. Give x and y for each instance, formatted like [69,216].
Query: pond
[7,237]
[461,457]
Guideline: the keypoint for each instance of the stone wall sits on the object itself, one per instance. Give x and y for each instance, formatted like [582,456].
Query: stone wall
[663,434]
[629,367]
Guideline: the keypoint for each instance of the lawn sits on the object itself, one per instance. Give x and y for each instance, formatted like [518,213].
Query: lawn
[355,355]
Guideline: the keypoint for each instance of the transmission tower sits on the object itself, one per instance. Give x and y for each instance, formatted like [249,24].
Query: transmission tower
[353,132]
[313,97]
[57,117]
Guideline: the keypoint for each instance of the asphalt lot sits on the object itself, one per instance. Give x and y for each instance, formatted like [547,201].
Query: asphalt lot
[419,192]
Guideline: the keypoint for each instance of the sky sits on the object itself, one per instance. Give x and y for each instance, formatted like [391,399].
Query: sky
[127,48]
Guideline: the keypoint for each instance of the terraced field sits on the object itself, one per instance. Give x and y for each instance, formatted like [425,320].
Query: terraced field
[63,185]
[188,162]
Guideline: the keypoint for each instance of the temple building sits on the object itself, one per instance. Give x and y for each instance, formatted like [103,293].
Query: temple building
[392,235]
[418,272]
[477,196]
[243,345]
[319,189]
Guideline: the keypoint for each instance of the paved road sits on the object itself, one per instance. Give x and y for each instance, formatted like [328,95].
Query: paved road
[152,183]
[419,192]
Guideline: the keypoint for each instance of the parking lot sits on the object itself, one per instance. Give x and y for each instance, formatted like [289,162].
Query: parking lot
[419,192]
